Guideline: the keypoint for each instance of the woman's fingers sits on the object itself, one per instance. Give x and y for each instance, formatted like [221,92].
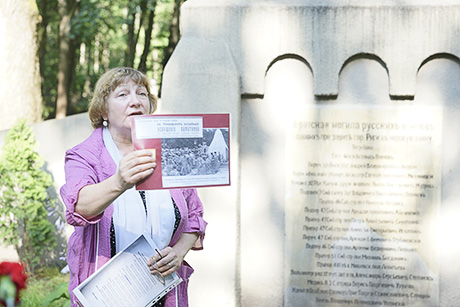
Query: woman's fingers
[135,167]
[167,264]
[138,158]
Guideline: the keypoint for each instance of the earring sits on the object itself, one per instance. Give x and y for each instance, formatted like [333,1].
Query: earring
[104,123]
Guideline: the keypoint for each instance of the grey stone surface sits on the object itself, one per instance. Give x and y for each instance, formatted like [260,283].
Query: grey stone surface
[259,33]
[343,52]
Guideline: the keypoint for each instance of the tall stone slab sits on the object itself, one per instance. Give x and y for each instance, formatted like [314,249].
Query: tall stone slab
[383,76]
[200,80]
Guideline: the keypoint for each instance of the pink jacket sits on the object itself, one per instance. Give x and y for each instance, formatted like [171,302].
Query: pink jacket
[90,163]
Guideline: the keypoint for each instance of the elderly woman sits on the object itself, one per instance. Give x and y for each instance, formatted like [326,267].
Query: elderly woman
[100,196]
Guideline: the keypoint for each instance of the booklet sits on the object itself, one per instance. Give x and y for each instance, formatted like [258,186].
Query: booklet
[191,150]
[126,279]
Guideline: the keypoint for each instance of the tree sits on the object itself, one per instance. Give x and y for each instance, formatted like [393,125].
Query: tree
[148,36]
[134,8]
[48,53]
[20,86]
[24,198]
[174,31]
[81,39]
[67,50]
[46,10]
[174,34]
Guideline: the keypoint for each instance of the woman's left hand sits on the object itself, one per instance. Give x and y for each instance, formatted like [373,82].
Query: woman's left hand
[166,264]
[170,259]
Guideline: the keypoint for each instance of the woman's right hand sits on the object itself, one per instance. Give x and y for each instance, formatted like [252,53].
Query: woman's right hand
[134,167]
[93,199]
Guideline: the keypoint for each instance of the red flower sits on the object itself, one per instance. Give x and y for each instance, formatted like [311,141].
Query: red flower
[16,273]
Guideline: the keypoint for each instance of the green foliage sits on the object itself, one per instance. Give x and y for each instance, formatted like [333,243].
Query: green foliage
[60,294]
[48,287]
[7,290]
[24,198]
[100,30]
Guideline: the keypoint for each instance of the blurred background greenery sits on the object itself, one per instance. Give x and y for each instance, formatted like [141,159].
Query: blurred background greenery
[78,40]
[73,42]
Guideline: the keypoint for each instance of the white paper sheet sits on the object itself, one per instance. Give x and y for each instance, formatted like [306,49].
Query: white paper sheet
[126,280]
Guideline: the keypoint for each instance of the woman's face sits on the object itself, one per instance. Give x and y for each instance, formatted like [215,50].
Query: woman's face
[126,100]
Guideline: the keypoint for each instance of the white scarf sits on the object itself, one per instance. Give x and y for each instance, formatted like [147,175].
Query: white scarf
[129,217]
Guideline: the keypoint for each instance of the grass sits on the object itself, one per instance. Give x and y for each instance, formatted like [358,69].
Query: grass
[47,287]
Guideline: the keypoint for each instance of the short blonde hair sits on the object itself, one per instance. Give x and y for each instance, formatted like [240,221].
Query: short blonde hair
[107,83]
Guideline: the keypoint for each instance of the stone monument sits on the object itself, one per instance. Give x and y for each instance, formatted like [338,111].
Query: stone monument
[344,148]
[369,182]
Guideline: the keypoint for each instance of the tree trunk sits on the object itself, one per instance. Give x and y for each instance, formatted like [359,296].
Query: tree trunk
[42,37]
[133,33]
[130,47]
[67,48]
[174,31]
[20,93]
[174,36]
[87,88]
[148,38]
